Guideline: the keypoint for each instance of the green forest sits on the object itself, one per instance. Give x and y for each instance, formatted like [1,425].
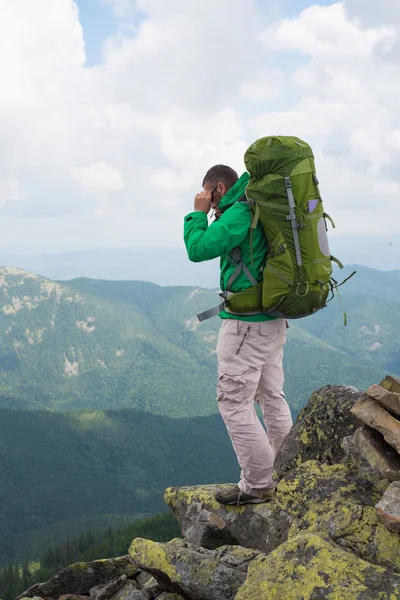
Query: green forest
[86,547]
[64,473]
[107,397]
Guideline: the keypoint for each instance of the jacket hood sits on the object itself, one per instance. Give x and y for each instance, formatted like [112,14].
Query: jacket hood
[235,193]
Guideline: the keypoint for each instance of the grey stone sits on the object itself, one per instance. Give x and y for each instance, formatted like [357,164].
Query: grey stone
[187,570]
[373,415]
[388,509]
[389,400]
[319,429]
[145,581]
[79,578]
[130,591]
[335,502]
[260,526]
[105,591]
[382,459]
[310,567]
[392,384]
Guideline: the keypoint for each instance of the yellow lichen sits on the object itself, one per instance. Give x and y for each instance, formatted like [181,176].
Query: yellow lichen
[304,565]
[152,555]
[202,494]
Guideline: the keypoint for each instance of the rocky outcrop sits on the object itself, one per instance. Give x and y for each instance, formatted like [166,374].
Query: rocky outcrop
[80,578]
[331,532]
[206,523]
[320,429]
[388,509]
[310,567]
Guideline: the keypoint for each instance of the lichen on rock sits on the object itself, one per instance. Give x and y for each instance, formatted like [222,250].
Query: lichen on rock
[335,502]
[188,570]
[207,523]
[319,429]
[311,568]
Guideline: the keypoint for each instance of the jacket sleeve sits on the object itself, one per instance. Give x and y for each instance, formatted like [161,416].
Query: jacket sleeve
[205,242]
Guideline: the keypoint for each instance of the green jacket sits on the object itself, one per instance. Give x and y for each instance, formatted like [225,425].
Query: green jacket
[231,230]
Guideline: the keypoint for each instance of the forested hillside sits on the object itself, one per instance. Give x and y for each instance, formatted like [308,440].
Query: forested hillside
[65,473]
[102,345]
[107,394]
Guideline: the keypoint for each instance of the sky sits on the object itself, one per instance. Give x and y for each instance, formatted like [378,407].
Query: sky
[111,111]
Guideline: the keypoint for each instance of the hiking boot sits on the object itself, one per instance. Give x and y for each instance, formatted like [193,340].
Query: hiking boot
[235,497]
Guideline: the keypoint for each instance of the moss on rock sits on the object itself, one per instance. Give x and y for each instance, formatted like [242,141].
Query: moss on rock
[187,569]
[311,568]
[335,503]
[319,429]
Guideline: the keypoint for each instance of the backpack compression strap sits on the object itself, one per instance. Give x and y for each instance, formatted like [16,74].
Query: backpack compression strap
[236,258]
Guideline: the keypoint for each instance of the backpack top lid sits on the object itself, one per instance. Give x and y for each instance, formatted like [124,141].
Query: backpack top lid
[275,154]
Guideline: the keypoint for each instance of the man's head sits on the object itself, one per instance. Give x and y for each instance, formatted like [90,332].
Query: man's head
[217,181]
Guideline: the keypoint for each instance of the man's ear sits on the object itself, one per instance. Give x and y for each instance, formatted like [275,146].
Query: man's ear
[221,187]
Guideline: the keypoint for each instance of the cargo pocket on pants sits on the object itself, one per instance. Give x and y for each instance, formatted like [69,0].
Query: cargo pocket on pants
[231,379]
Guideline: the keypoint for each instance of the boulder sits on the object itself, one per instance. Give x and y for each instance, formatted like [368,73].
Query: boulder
[319,429]
[207,523]
[130,591]
[373,415]
[335,502]
[188,570]
[388,508]
[79,578]
[106,591]
[311,568]
[375,458]
[392,384]
[389,400]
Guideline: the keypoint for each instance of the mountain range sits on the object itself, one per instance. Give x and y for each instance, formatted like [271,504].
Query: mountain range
[109,386]
[170,266]
[98,344]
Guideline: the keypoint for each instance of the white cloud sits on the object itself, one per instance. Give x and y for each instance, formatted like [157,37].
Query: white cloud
[346,109]
[195,85]
[10,189]
[266,85]
[99,179]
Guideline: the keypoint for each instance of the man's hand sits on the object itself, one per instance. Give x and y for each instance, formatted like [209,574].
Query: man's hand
[202,202]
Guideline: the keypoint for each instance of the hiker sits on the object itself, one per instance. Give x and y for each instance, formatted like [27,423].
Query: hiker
[250,346]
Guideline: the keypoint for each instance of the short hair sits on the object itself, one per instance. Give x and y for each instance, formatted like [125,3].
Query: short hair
[221,173]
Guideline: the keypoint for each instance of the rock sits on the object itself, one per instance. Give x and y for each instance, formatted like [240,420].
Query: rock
[389,400]
[72,597]
[188,570]
[319,429]
[236,556]
[388,509]
[311,568]
[374,455]
[391,384]
[147,582]
[129,591]
[167,596]
[104,592]
[374,458]
[207,523]
[373,415]
[334,502]
[81,577]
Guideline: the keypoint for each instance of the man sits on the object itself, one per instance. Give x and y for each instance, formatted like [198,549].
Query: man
[250,347]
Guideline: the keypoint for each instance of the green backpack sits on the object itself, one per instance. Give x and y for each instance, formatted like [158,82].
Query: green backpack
[284,196]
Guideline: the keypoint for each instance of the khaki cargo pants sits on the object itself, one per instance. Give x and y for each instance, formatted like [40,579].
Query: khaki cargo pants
[250,369]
